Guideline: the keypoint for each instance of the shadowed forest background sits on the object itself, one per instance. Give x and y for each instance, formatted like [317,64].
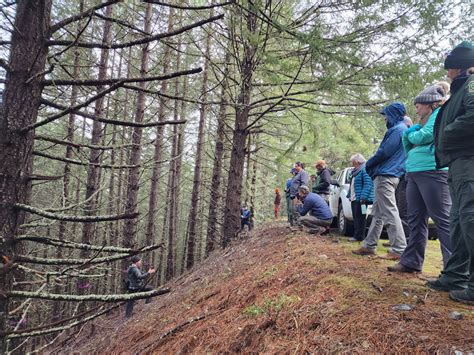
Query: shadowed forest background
[142,127]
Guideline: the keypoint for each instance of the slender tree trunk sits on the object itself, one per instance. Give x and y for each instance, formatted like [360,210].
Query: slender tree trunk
[131,205]
[237,159]
[157,156]
[174,184]
[193,213]
[212,232]
[97,132]
[20,108]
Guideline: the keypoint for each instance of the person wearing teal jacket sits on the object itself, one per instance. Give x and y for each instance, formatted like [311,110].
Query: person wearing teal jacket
[454,147]
[427,186]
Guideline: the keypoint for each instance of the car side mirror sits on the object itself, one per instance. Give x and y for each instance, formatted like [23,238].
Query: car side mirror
[335,183]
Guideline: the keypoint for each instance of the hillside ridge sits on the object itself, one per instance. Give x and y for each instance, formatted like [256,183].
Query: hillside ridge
[282,291]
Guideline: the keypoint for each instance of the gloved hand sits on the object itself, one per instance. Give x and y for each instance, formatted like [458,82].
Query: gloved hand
[413,128]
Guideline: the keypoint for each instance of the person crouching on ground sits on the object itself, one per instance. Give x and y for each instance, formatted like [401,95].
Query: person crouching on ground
[385,168]
[454,148]
[361,194]
[427,188]
[319,218]
[136,282]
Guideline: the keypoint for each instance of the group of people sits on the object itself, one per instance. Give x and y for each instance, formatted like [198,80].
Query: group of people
[429,166]
[419,171]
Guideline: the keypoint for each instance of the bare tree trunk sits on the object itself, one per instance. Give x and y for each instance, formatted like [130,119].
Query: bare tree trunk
[154,188]
[20,108]
[193,213]
[217,168]
[97,131]
[234,183]
[131,205]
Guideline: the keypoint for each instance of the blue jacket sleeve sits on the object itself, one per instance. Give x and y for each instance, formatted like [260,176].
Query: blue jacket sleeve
[387,148]
[425,134]
[304,208]
[368,185]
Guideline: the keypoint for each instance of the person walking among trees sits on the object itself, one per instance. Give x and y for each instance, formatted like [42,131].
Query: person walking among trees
[301,178]
[385,167]
[454,148]
[288,196]
[319,218]
[277,202]
[136,282]
[427,189]
[361,194]
[323,179]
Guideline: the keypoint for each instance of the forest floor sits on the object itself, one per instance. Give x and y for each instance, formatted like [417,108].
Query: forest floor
[282,291]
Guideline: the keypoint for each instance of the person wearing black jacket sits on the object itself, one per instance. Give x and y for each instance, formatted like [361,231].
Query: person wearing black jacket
[454,148]
[136,282]
[323,180]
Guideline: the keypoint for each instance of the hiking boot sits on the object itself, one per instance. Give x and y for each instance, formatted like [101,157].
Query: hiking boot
[315,232]
[462,296]
[437,285]
[326,230]
[364,251]
[392,256]
[387,244]
[400,268]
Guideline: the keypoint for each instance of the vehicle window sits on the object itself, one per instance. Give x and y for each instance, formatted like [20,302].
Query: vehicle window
[348,174]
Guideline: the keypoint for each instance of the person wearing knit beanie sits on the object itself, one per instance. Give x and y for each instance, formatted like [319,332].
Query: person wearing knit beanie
[461,57]
[427,191]
[454,148]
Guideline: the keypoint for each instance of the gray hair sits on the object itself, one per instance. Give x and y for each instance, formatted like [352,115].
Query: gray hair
[303,189]
[358,158]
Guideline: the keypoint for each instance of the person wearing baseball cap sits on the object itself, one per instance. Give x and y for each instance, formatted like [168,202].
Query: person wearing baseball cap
[314,211]
[454,148]
[136,282]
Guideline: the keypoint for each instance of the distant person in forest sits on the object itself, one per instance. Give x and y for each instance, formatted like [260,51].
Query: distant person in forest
[245,215]
[137,282]
[385,168]
[314,211]
[427,191]
[454,148]
[277,202]
[361,194]
[289,202]
[301,178]
[313,179]
[323,179]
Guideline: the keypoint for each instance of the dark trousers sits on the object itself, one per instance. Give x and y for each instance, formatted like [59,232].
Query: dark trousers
[131,303]
[359,220]
[245,222]
[401,198]
[427,196]
[459,270]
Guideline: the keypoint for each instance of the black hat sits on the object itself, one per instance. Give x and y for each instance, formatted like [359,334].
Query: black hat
[135,259]
[461,57]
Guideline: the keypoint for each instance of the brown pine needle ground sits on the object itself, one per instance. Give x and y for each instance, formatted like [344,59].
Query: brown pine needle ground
[289,292]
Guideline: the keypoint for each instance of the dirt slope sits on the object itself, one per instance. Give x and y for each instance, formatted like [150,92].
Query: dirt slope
[286,292]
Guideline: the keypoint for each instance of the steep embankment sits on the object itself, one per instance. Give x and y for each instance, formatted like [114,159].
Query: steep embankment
[282,291]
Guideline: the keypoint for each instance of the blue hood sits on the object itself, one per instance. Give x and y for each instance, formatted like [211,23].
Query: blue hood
[395,112]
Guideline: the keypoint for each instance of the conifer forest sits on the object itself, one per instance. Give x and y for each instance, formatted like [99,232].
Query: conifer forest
[142,127]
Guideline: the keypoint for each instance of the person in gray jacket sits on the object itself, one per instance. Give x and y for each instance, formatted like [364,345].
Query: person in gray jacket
[301,178]
[136,282]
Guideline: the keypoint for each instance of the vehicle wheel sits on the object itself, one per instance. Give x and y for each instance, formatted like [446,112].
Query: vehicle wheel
[345,227]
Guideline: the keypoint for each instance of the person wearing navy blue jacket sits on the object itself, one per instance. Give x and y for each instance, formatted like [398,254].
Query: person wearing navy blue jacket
[319,218]
[361,194]
[386,167]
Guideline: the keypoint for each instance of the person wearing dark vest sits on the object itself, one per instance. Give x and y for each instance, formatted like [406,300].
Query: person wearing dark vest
[137,282]
[301,178]
[454,148]
[323,180]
